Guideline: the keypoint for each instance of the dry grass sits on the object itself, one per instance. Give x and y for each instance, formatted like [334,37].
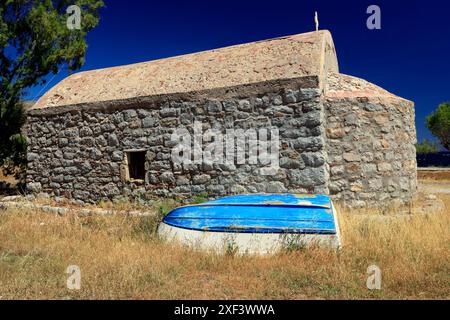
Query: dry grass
[120,257]
[8,179]
[434,175]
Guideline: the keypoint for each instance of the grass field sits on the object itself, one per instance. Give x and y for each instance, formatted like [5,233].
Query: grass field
[435,175]
[120,257]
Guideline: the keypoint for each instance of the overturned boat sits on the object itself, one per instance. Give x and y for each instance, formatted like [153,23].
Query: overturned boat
[255,223]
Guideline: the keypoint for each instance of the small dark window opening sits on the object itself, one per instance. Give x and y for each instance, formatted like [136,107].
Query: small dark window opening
[136,165]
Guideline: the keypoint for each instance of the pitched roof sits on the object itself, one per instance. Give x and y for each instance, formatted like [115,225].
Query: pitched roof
[341,86]
[294,56]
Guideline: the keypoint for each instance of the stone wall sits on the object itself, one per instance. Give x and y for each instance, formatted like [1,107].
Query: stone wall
[79,151]
[358,147]
[371,152]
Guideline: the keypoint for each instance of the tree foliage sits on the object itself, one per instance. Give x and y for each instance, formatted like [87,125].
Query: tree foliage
[439,124]
[34,42]
[427,146]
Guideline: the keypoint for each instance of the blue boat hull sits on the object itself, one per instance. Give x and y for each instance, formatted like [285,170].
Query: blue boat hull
[255,224]
[258,213]
[253,218]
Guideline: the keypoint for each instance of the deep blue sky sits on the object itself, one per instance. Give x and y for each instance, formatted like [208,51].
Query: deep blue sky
[409,56]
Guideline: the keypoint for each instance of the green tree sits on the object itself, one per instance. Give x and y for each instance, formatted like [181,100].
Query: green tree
[35,41]
[427,146]
[439,124]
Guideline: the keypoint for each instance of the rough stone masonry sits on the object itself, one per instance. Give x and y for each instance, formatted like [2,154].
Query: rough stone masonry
[339,135]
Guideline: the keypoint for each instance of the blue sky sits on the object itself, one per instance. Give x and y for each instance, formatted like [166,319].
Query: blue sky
[409,56]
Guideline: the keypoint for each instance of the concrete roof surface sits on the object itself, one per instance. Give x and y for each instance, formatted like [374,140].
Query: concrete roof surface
[293,56]
[345,86]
